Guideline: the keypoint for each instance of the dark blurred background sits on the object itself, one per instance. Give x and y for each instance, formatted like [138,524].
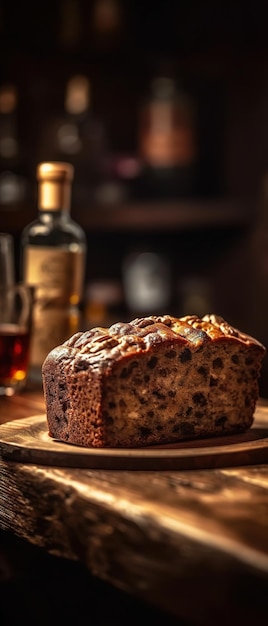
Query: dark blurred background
[162,107]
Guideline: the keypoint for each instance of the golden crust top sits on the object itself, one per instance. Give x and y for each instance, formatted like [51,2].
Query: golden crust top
[142,334]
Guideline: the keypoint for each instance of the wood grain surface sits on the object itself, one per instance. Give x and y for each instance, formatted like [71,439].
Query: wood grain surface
[193,543]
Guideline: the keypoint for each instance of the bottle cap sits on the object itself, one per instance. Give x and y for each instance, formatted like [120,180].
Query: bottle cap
[55,170]
[54,191]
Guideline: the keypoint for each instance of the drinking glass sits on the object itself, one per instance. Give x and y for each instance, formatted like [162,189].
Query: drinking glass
[15,332]
[15,322]
[7,265]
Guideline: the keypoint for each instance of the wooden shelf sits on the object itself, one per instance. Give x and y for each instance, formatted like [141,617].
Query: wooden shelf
[147,216]
[182,214]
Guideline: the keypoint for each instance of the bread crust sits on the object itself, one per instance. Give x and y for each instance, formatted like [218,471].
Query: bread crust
[154,380]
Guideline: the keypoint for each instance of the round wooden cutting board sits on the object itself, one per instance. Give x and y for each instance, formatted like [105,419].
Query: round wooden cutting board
[27,441]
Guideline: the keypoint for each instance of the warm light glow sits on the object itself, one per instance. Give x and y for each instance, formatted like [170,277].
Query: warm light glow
[8,98]
[77,95]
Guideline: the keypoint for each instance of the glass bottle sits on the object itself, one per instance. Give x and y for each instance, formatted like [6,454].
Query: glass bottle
[76,135]
[14,182]
[167,140]
[53,255]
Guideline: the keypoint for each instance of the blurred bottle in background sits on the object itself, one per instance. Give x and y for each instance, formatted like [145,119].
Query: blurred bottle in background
[108,24]
[147,283]
[77,136]
[70,24]
[167,142]
[98,26]
[53,257]
[14,184]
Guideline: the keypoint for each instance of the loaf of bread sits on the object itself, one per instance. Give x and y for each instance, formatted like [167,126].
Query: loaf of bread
[155,380]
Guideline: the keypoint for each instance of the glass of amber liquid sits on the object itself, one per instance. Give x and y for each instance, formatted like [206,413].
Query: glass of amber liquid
[15,333]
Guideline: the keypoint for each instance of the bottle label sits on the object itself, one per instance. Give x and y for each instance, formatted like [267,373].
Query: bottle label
[57,276]
[167,138]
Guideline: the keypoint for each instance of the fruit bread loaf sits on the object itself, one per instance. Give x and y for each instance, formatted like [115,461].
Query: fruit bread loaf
[154,380]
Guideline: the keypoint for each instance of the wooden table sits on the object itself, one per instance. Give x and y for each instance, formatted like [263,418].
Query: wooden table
[191,544]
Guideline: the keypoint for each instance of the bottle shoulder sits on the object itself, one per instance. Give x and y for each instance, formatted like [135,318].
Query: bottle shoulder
[53,229]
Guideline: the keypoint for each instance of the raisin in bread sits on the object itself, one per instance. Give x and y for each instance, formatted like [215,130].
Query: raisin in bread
[154,380]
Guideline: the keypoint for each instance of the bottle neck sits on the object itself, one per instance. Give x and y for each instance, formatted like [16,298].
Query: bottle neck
[54,195]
